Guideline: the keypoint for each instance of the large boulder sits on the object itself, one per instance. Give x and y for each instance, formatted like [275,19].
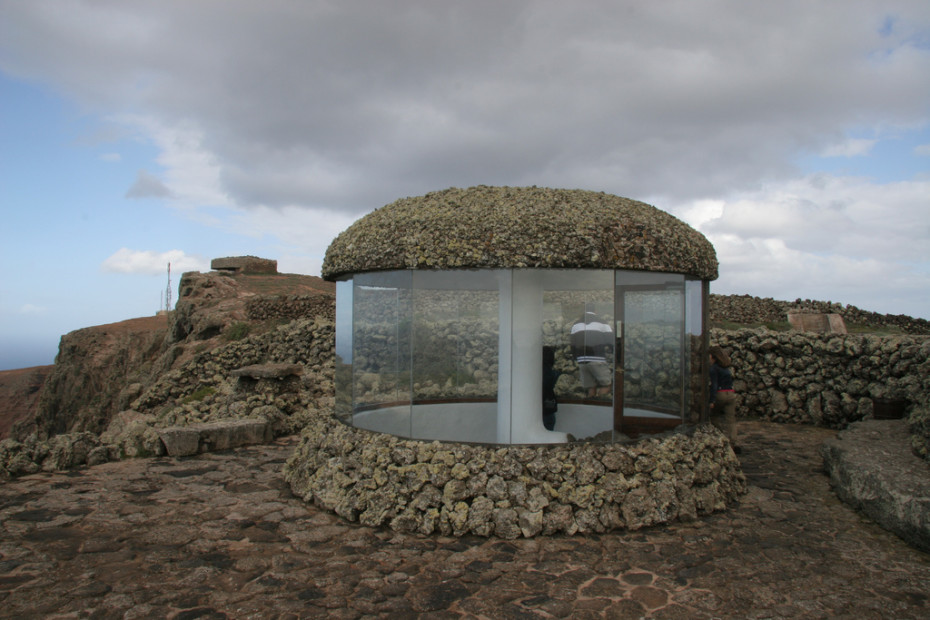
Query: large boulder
[873,469]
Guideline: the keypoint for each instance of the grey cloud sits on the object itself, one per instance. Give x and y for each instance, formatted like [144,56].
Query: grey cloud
[351,104]
[337,107]
[147,186]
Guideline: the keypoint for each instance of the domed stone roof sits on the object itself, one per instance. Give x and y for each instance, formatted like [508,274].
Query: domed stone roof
[514,227]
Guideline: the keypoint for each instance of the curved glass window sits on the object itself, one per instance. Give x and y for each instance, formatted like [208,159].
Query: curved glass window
[519,356]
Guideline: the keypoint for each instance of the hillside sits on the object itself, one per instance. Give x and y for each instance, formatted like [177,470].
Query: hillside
[100,369]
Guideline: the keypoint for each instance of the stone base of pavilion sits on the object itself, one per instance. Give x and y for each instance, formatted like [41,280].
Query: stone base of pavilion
[431,487]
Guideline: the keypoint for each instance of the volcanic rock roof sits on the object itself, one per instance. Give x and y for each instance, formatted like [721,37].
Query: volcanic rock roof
[514,227]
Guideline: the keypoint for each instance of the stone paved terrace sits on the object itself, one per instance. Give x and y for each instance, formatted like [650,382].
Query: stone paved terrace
[220,536]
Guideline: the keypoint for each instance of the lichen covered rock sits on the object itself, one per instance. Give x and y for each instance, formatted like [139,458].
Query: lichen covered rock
[516,227]
[512,491]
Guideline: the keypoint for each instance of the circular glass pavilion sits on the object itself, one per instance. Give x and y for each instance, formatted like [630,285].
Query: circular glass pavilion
[467,314]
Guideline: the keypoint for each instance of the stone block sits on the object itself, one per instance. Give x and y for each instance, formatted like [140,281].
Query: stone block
[213,436]
[228,434]
[817,322]
[180,441]
[836,324]
[872,468]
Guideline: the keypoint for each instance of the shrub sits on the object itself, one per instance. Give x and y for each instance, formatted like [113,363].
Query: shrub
[200,394]
[237,331]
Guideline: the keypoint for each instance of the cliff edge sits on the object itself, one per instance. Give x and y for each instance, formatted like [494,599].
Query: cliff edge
[100,370]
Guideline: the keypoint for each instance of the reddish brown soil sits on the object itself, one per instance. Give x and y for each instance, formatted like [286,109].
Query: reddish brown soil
[19,392]
[146,323]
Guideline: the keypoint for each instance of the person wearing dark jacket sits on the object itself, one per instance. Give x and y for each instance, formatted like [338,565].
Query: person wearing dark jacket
[723,396]
[550,377]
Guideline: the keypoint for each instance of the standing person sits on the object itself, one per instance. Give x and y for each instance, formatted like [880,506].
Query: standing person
[550,377]
[592,343]
[723,396]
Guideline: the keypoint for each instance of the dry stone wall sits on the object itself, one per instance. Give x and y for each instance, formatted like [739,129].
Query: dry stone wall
[829,379]
[747,310]
[512,491]
[291,307]
[174,397]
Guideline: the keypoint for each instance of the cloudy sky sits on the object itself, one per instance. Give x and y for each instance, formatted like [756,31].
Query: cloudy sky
[795,135]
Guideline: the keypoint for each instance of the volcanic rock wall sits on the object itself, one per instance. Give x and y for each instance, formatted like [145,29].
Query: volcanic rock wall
[203,389]
[512,491]
[786,377]
[291,307]
[746,310]
[829,380]
[199,390]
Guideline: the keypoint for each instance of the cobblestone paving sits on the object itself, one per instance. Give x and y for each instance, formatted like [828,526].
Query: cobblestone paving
[220,536]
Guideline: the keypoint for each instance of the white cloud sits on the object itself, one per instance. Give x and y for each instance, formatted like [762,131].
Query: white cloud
[922,150]
[304,234]
[153,263]
[844,215]
[111,157]
[853,147]
[843,239]
[192,175]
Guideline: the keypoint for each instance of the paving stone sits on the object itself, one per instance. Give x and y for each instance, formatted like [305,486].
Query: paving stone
[220,536]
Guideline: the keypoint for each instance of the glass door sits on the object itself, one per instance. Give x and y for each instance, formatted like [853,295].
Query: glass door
[651,349]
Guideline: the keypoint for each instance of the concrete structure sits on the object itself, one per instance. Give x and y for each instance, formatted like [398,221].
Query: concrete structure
[244,264]
[817,322]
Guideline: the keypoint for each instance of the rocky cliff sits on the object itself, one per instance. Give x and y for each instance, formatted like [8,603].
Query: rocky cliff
[222,321]
[100,370]
[19,395]
[92,372]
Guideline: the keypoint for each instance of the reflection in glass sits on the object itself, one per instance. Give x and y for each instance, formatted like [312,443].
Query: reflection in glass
[456,331]
[458,355]
[343,360]
[455,336]
[653,314]
[577,323]
[381,350]
[696,354]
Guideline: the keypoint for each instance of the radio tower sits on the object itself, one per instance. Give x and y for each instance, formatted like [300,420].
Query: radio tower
[168,291]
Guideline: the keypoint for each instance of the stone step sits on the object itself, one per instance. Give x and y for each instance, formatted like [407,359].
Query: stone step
[214,436]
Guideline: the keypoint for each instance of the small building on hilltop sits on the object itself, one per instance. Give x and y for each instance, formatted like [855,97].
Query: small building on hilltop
[454,309]
[244,264]
[518,361]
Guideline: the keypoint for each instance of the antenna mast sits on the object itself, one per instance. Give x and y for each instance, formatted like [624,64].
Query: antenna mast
[168,291]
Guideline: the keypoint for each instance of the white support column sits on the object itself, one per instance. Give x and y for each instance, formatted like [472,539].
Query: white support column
[504,357]
[526,361]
